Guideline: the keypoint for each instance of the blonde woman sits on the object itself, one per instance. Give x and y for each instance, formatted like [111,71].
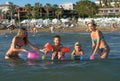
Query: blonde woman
[99,44]
[18,41]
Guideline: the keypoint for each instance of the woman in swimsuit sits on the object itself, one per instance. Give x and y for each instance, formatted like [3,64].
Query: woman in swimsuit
[98,42]
[18,41]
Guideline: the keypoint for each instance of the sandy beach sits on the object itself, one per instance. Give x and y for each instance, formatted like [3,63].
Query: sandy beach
[76,29]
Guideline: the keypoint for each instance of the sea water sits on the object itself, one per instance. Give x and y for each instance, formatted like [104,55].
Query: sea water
[68,70]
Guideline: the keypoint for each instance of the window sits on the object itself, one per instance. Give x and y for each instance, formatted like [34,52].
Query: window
[100,11]
[116,10]
[111,10]
[105,11]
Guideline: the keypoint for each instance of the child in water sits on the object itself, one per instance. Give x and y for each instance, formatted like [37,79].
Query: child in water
[56,48]
[77,53]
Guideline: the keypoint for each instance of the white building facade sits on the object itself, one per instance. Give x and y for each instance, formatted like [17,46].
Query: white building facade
[5,7]
[112,2]
[67,6]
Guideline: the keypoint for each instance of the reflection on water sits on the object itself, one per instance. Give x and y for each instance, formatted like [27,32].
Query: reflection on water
[47,70]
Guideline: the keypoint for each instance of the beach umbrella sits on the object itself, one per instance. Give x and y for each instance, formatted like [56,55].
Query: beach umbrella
[33,21]
[46,22]
[40,20]
[25,21]
[64,20]
[55,21]
[79,19]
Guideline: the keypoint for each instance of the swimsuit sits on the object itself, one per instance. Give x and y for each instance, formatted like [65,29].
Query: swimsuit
[57,48]
[101,49]
[19,45]
[77,57]
[12,56]
[101,38]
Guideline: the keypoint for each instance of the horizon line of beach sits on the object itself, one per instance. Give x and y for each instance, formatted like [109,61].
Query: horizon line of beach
[74,29]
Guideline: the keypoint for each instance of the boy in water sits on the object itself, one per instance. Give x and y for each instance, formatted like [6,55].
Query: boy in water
[77,52]
[56,48]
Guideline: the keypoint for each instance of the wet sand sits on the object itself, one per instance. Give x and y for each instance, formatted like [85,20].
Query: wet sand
[76,29]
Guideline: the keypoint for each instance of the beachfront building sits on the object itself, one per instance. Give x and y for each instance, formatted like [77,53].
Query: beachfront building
[108,11]
[67,6]
[113,3]
[21,12]
[4,8]
[18,11]
[109,7]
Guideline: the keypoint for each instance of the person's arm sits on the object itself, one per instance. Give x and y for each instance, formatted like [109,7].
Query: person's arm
[93,44]
[97,44]
[73,53]
[82,52]
[32,46]
[13,46]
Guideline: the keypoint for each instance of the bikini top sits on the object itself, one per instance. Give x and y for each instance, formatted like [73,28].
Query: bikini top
[96,39]
[19,45]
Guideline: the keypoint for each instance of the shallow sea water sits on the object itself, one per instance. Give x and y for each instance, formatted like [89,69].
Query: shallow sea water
[68,70]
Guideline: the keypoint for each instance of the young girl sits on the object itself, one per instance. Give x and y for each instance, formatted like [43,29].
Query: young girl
[18,41]
[98,41]
[77,53]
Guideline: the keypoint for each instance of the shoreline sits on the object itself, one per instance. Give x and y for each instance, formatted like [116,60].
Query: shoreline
[76,29]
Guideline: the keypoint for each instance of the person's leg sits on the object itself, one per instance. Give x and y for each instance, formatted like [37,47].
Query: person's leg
[53,55]
[59,55]
[105,53]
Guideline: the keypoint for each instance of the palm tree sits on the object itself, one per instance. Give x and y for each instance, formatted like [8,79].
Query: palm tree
[116,3]
[40,9]
[35,10]
[105,2]
[54,8]
[1,13]
[100,3]
[119,3]
[109,3]
[47,7]
[11,10]
[59,12]
[28,9]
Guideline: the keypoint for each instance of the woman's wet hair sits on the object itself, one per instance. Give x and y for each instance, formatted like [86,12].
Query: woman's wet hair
[21,32]
[92,22]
